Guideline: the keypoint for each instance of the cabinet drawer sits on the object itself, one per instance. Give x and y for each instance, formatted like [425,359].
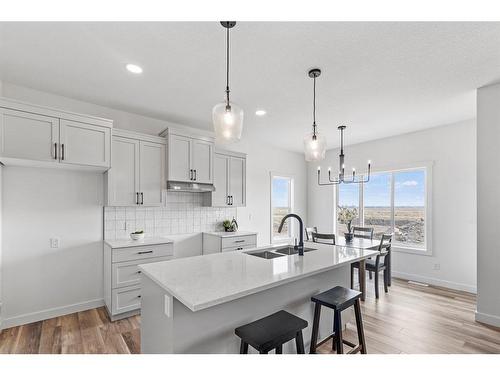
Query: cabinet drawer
[239,241]
[142,252]
[126,299]
[238,248]
[127,273]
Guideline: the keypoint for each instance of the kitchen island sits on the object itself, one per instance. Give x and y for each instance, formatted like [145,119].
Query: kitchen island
[193,305]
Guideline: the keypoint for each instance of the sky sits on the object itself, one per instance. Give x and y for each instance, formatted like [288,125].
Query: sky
[409,190]
[280,192]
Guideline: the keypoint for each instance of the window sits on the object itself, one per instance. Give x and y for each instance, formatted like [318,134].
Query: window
[393,202]
[377,210]
[281,205]
[348,196]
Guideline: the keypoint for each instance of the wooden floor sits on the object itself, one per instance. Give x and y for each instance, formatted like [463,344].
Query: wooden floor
[409,319]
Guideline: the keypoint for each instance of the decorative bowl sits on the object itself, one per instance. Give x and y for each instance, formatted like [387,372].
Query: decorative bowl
[137,236]
[348,237]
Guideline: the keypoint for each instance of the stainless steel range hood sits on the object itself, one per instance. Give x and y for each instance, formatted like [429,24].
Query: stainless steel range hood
[190,187]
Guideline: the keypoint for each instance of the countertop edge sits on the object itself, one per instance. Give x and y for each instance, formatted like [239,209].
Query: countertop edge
[232,297]
[137,243]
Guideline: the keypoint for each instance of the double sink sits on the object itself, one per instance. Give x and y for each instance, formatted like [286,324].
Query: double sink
[277,252]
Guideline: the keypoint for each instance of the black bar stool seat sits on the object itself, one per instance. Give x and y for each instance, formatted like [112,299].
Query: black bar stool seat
[271,332]
[338,299]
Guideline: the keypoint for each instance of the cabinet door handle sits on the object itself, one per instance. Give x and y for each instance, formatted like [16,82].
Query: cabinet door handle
[136,198]
[239,248]
[139,271]
[227,200]
[139,296]
[142,198]
[55,150]
[191,174]
[62,151]
[231,199]
[195,174]
[145,252]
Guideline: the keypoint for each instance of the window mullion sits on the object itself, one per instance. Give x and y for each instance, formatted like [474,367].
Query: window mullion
[392,202]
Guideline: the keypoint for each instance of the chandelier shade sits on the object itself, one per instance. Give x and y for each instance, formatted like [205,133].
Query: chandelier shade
[227,117]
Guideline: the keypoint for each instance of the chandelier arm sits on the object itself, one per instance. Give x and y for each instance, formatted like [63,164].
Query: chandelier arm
[332,182]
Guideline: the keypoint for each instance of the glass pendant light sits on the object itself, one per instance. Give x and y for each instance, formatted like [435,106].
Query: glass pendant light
[227,116]
[314,143]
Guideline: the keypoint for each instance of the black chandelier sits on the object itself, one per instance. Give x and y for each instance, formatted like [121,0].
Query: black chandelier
[341,176]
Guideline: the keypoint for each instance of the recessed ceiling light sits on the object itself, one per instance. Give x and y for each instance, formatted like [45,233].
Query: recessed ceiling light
[260,112]
[132,68]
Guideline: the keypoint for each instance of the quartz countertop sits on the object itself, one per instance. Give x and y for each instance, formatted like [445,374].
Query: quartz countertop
[204,281]
[131,243]
[231,234]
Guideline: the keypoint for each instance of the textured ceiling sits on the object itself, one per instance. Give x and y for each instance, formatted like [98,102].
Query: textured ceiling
[379,79]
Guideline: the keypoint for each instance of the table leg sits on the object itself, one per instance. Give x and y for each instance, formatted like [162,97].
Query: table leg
[362,278]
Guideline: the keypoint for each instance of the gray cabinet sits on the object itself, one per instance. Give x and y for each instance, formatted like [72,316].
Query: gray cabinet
[229,179]
[137,175]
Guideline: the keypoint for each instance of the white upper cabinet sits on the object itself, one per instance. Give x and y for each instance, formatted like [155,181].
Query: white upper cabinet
[229,179]
[179,161]
[137,174]
[190,156]
[28,136]
[123,177]
[38,136]
[202,156]
[85,144]
[220,197]
[152,176]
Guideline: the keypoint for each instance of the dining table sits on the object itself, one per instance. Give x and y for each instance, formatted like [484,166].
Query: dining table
[366,244]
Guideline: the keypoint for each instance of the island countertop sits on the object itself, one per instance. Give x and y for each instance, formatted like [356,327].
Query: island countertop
[204,281]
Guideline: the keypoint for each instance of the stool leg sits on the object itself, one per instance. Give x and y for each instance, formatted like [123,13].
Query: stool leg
[314,335]
[352,276]
[279,349]
[338,331]
[359,326]
[243,347]
[334,339]
[299,342]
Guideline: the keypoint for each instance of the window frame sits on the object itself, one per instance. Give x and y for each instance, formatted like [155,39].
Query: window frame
[291,204]
[398,246]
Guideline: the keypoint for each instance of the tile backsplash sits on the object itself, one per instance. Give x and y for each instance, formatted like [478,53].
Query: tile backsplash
[183,213]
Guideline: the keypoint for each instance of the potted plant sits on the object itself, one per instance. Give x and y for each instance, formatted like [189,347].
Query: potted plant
[228,227]
[346,215]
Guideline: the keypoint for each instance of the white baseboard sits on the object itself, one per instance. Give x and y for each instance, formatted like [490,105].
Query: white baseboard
[491,320]
[436,282]
[50,313]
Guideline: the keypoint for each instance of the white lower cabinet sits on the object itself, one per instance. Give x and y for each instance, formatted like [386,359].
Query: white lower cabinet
[122,277]
[217,242]
[137,174]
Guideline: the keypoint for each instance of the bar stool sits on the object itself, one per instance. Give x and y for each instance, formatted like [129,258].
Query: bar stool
[338,299]
[271,332]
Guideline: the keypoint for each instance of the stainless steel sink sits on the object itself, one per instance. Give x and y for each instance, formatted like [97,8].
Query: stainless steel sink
[265,254]
[289,250]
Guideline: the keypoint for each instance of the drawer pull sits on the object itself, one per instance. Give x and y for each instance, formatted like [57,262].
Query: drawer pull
[239,248]
[139,271]
[139,296]
[238,241]
[145,252]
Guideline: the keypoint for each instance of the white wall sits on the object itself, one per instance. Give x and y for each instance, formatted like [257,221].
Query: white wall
[39,282]
[488,205]
[452,148]
[1,171]
[39,204]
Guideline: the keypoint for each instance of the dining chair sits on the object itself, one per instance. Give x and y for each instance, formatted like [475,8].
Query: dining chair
[366,233]
[363,232]
[325,238]
[382,262]
[309,231]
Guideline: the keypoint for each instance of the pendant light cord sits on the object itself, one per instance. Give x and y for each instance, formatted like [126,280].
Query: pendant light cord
[227,67]
[314,108]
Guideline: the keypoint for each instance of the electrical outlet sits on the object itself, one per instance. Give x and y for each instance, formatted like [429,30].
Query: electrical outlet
[54,243]
[437,266]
